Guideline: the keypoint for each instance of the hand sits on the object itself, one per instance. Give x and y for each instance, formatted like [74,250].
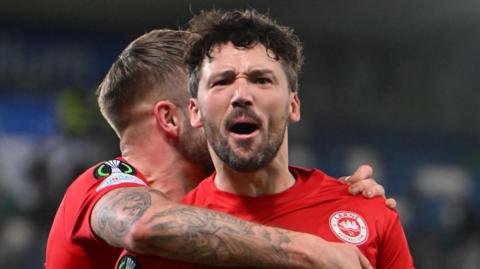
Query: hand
[362,182]
[342,256]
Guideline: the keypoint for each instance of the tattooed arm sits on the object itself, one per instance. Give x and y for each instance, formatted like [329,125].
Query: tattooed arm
[145,221]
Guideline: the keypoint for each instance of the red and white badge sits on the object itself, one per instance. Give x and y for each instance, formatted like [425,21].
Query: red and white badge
[349,227]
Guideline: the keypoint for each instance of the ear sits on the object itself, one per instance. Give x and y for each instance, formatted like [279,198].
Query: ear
[294,107]
[167,118]
[195,113]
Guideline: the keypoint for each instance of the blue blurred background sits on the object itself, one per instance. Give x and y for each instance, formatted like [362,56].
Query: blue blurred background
[392,84]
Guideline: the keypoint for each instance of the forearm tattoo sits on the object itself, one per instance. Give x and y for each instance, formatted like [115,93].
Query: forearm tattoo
[189,233]
[116,215]
[214,238]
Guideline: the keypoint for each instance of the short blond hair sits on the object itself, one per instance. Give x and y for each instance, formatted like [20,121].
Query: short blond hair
[145,70]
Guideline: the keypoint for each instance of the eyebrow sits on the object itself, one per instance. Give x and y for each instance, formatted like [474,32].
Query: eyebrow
[260,71]
[250,72]
[222,74]
[254,72]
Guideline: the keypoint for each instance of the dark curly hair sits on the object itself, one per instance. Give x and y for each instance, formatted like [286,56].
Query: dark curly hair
[244,29]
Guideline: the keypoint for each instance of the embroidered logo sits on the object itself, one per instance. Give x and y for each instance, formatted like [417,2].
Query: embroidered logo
[349,227]
[116,172]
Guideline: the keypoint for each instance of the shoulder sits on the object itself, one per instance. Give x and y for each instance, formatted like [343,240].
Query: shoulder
[107,173]
[372,210]
[329,188]
[318,180]
[315,174]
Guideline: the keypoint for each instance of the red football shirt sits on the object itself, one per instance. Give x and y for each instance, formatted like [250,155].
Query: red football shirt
[316,204]
[71,243]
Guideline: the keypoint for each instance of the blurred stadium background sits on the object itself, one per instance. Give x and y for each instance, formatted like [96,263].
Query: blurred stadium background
[392,84]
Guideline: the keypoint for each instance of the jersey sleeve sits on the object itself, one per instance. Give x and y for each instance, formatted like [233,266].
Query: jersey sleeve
[394,252]
[106,177]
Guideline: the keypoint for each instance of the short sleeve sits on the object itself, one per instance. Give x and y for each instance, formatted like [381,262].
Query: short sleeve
[394,251]
[106,176]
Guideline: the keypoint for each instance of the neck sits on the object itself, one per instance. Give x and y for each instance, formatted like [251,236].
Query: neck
[272,178]
[160,162]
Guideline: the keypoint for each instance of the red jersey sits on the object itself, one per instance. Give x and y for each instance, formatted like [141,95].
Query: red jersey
[316,204]
[71,243]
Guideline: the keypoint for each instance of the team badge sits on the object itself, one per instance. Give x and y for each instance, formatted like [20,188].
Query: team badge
[116,172]
[128,262]
[349,227]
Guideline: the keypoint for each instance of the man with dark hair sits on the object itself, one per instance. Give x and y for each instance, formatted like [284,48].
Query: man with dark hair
[127,202]
[243,71]
[245,94]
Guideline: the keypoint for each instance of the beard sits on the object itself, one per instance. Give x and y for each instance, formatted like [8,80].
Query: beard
[270,143]
[193,145]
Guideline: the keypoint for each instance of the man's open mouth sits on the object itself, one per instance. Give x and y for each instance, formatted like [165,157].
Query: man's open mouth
[243,128]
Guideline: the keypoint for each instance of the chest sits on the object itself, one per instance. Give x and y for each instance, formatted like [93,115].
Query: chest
[350,222]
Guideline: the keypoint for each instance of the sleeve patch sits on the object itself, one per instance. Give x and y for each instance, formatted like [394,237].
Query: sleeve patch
[112,167]
[120,178]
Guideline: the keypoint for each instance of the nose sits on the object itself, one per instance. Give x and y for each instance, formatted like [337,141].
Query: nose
[242,96]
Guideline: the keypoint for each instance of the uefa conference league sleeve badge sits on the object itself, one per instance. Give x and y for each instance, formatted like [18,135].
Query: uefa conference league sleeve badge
[116,172]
